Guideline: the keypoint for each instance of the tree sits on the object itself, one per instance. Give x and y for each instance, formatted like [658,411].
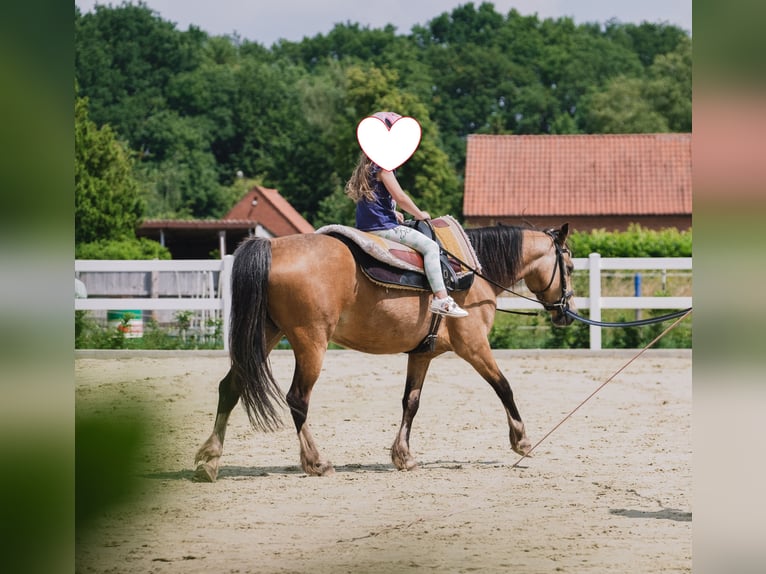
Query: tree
[125,56]
[178,168]
[621,108]
[108,201]
[660,101]
[669,86]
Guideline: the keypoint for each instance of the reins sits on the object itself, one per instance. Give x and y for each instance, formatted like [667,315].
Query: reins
[637,323]
[562,304]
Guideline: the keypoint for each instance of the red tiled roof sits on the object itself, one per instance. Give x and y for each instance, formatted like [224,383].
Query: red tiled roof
[196,224]
[634,174]
[271,210]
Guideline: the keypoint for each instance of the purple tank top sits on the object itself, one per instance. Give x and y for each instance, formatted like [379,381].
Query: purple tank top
[380,213]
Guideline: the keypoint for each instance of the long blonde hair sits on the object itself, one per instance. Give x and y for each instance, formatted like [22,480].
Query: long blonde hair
[358,187]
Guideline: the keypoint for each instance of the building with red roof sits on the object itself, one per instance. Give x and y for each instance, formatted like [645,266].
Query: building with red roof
[262,212]
[590,181]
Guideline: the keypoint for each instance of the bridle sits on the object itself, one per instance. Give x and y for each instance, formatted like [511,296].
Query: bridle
[562,304]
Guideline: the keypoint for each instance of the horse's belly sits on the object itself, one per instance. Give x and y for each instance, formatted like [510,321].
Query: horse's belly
[380,332]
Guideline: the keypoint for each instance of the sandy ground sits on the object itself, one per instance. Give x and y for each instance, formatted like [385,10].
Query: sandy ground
[608,491]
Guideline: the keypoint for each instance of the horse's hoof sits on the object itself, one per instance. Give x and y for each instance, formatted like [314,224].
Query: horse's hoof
[523,450]
[205,473]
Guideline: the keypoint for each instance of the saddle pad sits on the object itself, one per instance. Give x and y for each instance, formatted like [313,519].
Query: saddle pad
[447,230]
[454,240]
[390,252]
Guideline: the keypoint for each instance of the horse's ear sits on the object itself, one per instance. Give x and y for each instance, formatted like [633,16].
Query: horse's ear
[562,234]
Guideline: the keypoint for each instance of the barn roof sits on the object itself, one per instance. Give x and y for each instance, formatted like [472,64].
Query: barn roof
[634,174]
[259,206]
[271,210]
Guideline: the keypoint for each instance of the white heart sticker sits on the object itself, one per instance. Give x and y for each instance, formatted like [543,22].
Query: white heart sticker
[389,148]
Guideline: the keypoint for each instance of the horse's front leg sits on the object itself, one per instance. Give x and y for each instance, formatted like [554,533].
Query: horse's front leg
[417,366]
[485,364]
[308,365]
[210,452]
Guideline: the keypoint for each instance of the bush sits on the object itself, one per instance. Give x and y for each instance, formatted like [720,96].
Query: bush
[91,334]
[635,242]
[512,331]
[128,248]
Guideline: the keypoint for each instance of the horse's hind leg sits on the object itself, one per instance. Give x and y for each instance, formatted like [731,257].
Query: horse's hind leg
[210,452]
[417,366]
[308,365]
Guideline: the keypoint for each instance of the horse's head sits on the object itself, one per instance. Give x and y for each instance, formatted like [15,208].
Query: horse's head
[552,281]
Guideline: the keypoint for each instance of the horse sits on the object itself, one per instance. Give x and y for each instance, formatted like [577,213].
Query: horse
[309,289]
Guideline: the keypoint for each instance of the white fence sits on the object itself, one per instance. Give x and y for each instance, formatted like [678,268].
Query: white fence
[594,302]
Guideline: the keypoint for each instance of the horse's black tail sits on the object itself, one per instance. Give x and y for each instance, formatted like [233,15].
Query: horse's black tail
[247,339]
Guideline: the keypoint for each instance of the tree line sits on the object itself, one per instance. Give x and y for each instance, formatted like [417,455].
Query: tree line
[172,123]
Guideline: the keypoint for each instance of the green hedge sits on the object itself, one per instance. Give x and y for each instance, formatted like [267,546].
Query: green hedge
[635,242]
[122,249]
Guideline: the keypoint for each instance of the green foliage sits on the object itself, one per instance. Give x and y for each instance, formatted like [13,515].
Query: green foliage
[198,109]
[513,331]
[90,333]
[635,242]
[129,248]
[107,197]
[638,337]
[658,101]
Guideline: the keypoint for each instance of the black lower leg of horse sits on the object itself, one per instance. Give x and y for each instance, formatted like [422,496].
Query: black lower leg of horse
[503,389]
[517,433]
[210,452]
[400,450]
[410,406]
[298,400]
[299,409]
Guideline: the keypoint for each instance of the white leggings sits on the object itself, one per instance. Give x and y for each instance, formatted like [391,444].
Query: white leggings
[423,245]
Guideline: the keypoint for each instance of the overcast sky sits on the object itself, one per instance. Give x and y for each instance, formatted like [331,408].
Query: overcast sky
[266,21]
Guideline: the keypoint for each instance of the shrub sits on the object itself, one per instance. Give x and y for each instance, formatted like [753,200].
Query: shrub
[635,242]
[128,248]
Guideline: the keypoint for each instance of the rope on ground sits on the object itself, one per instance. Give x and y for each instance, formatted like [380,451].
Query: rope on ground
[573,411]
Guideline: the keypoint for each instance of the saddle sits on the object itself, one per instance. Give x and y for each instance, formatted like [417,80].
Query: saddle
[395,265]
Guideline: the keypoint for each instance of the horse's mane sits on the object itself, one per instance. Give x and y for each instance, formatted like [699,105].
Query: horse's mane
[499,249]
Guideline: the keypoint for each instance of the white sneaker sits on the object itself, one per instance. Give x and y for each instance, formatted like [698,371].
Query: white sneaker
[448,307]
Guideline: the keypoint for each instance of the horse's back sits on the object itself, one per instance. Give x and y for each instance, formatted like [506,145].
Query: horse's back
[309,253]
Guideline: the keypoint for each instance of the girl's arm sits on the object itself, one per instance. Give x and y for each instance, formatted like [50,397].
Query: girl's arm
[400,197]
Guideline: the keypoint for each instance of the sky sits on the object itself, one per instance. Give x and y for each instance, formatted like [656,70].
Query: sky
[267,21]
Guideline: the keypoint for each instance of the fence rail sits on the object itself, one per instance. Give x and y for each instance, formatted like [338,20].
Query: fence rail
[594,302]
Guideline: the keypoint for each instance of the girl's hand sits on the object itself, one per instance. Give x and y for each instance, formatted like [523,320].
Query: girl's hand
[399,216]
[424,215]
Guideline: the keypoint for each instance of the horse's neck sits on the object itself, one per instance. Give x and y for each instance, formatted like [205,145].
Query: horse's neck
[537,249]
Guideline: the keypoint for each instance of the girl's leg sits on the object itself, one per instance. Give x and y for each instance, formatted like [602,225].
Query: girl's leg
[423,245]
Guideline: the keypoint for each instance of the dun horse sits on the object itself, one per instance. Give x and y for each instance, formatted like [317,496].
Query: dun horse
[309,289]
